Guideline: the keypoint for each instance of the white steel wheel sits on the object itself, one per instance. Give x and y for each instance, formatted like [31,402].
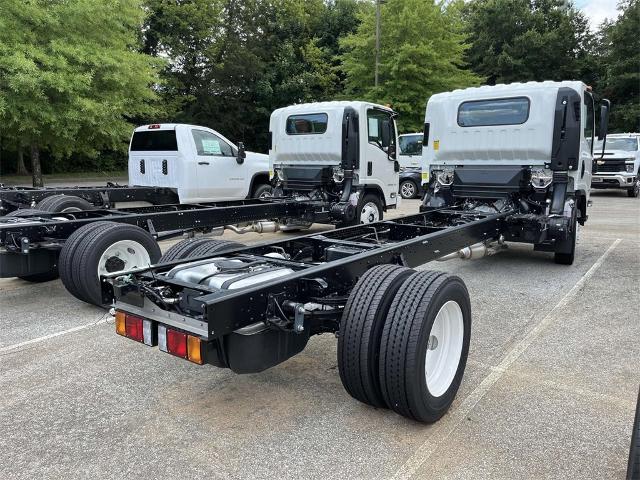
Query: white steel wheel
[123,255]
[369,213]
[408,189]
[444,348]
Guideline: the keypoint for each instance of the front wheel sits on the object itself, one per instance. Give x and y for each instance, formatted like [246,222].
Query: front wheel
[369,209]
[566,250]
[263,191]
[635,191]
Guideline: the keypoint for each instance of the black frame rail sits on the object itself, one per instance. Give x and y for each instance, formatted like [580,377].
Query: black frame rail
[12,198]
[408,241]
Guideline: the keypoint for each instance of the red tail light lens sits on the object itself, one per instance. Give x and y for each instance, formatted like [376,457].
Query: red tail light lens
[177,343]
[133,328]
[154,126]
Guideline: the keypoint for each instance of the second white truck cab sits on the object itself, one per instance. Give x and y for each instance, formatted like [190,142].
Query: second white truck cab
[620,165]
[530,143]
[340,151]
[410,155]
[200,163]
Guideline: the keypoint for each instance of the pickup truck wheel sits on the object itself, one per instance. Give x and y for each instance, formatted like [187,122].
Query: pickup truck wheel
[635,191]
[263,191]
[633,471]
[67,257]
[361,328]
[109,249]
[424,345]
[63,204]
[408,189]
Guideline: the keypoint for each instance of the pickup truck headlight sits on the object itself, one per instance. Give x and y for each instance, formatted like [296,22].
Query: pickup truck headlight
[541,177]
[629,167]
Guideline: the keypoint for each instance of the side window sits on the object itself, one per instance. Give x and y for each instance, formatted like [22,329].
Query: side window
[381,129]
[589,119]
[209,144]
[499,111]
[307,124]
[411,145]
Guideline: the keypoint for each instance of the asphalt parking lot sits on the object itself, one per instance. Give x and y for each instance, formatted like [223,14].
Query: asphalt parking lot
[549,390]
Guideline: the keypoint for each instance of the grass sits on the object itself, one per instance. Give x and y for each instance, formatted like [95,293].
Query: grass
[98,177]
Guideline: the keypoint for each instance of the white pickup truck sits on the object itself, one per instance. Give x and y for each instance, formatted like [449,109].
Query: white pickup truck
[620,165]
[200,163]
[168,163]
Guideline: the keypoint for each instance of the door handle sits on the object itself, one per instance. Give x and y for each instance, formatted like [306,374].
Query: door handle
[203,163]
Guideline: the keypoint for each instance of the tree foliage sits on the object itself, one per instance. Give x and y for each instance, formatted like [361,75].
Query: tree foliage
[71,76]
[421,53]
[619,61]
[527,40]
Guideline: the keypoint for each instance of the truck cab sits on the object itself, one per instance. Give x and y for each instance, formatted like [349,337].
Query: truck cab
[345,152]
[198,162]
[523,146]
[620,166]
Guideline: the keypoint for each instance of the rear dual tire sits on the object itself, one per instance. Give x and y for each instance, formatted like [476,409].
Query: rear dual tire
[404,341]
[63,204]
[103,248]
[200,247]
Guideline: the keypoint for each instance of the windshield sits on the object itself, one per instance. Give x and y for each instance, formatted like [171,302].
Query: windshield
[411,144]
[628,144]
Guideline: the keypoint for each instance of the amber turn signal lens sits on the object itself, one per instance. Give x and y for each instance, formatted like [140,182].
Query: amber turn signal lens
[121,328]
[193,350]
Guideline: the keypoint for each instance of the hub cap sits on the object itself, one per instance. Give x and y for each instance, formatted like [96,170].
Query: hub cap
[123,255]
[444,348]
[369,213]
[407,190]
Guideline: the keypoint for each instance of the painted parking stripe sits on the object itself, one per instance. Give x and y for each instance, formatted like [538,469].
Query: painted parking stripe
[446,426]
[18,346]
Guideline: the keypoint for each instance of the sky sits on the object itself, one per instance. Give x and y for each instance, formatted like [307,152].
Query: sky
[597,10]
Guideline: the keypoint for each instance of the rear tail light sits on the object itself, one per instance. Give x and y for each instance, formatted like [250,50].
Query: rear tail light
[180,344]
[135,328]
[168,340]
[154,126]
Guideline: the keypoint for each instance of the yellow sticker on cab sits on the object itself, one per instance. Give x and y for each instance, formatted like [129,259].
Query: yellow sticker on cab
[436,145]
[425,176]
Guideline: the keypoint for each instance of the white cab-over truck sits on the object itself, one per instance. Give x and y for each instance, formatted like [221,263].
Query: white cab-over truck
[410,155]
[337,151]
[168,163]
[525,146]
[620,166]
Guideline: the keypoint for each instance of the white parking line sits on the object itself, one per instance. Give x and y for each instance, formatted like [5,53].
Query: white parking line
[445,427]
[17,346]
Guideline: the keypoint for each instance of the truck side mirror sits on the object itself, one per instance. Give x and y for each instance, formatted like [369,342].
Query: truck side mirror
[241,153]
[386,133]
[391,151]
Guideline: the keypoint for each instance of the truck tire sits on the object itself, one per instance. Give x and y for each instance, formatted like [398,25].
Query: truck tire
[566,250]
[408,189]
[182,249]
[633,470]
[635,191]
[26,212]
[424,345]
[368,210]
[109,249]
[361,327]
[263,191]
[214,246]
[63,204]
[67,256]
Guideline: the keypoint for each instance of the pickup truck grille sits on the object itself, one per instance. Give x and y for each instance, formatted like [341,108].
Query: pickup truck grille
[612,166]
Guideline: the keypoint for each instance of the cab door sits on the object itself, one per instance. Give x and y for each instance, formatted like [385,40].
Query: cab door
[219,176]
[378,165]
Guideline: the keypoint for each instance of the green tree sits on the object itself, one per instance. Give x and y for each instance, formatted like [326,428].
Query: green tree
[525,40]
[71,77]
[232,62]
[422,48]
[620,62]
